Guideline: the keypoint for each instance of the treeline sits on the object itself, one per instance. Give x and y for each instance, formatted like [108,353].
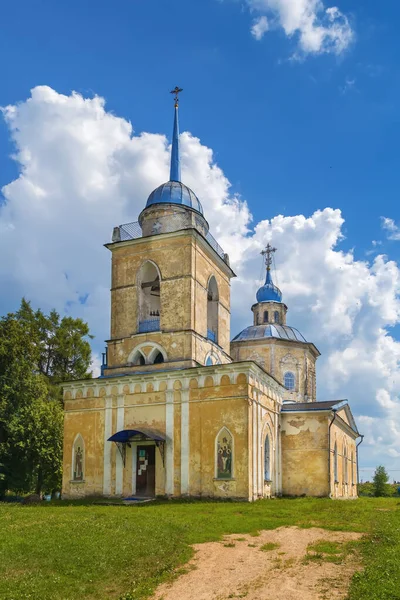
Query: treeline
[37,353]
[379,486]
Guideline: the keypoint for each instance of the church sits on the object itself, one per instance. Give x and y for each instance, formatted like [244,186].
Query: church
[181,409]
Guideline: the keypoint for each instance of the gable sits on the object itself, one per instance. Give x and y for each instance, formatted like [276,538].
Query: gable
[345,413]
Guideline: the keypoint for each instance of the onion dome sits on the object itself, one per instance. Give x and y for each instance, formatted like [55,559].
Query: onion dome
[174,191]
[269,292]
[256,332]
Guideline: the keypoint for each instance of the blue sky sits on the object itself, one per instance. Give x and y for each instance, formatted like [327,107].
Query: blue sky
[286,133]
[293,130]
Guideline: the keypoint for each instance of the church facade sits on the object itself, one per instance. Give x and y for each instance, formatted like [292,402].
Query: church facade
[179,408]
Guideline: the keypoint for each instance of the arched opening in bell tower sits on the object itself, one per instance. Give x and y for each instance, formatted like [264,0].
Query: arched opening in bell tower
[212,310]
[149,297]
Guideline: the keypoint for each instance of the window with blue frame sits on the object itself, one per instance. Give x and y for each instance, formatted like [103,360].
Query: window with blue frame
[289,380]
[276,316]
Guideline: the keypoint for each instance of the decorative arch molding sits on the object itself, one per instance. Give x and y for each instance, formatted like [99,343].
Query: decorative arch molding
[257,358]
[289,364]
[149,356]
[212,358]
[224,454]
[140,269]
[289,359]
[78,459]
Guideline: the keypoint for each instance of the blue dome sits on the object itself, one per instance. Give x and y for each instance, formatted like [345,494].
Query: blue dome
[283,332]
[269,292]
[175,192]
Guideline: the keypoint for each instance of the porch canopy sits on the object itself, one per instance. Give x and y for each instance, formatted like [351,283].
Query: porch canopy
[142,434]
[123,438]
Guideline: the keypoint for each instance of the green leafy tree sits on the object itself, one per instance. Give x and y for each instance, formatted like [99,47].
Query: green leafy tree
[380,482]
[37,353]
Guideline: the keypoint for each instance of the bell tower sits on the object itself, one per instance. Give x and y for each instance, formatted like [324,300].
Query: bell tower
[170,290]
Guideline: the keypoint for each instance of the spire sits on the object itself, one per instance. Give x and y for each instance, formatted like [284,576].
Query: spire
[175,173]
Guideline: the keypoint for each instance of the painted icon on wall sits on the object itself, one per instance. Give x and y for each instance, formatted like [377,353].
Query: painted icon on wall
[78,459]
[78,470]
[224,455]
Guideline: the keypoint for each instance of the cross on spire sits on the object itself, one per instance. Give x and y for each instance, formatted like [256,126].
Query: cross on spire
[268,252]
[177,90]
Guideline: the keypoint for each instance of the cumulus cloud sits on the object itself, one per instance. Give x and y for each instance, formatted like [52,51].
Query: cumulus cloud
[83,171]
[259,27]
[317,29]
[392,230]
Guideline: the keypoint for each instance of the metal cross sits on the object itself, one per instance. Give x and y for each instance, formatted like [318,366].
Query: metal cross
[176,91]
[268,252]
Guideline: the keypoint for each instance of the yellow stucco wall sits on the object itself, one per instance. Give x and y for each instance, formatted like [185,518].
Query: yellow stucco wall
[212,398]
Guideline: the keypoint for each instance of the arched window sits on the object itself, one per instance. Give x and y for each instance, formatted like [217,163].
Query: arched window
[267,459]
[345,480]
[224,454]
[212,310]
[147,354]
[149,297]
[158,359]
[352,467]
[289,380]
[335,463]
[276,316]
[265,316]
[138,359]
[78,459]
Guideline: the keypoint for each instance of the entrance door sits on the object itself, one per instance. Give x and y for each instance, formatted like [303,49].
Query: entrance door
[146,471]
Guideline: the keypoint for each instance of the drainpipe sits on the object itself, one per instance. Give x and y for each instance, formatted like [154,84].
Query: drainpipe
[358,476]
[329,451]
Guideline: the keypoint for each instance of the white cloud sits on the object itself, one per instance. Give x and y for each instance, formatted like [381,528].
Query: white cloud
[259,27]
[83,171]
[318,29]
[393,230]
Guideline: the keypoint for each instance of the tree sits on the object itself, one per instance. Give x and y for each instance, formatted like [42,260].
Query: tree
[380,482]
[37,353]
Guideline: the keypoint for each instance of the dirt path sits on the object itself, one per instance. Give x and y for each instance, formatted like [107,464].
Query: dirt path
[238,568]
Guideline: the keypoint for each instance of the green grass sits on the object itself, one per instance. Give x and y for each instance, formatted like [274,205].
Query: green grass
[328,551]
[71,551]
[269,546]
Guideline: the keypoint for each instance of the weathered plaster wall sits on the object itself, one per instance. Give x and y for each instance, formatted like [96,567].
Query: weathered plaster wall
[304,454]
[85,417]
[212,408]
[279,356]
[344,481]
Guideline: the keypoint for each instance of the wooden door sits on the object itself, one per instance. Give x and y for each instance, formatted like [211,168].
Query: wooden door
[146,471]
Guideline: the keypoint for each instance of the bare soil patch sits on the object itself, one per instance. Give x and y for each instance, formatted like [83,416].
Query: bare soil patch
[240,567]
